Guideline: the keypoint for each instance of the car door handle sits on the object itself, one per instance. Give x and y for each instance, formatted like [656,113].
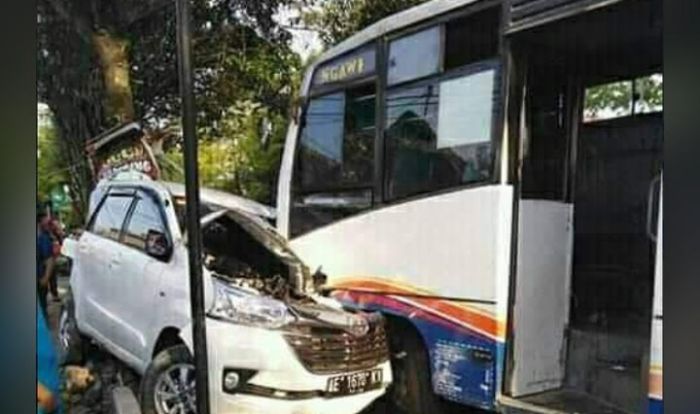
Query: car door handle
[115,261]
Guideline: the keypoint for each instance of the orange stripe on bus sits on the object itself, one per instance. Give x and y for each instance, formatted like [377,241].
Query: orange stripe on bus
[656,384]
[475,318]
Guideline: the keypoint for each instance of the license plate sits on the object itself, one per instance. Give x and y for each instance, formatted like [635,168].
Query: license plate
[355,383]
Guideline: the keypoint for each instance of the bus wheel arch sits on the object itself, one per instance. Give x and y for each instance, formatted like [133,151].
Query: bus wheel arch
[412,390]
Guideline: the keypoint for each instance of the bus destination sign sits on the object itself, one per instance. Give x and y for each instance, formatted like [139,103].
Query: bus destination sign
[348,68]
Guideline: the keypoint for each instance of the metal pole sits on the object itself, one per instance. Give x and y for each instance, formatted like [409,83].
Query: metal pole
[194,237]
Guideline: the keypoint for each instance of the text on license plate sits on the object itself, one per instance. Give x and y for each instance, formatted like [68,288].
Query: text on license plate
[356,382]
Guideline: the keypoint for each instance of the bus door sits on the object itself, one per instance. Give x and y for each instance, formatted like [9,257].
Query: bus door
[591,135]
[544,241]
[656,360]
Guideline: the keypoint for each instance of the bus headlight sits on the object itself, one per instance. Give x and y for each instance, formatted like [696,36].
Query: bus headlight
[237,306]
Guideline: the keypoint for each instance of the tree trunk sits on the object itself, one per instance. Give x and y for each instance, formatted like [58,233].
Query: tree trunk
[77,106]
[74,128]
[113,56]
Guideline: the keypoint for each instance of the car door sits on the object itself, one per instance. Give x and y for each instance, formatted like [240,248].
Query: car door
[149,243]
[99,249]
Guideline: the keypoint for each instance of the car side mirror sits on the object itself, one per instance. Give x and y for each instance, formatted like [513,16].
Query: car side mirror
[158,245]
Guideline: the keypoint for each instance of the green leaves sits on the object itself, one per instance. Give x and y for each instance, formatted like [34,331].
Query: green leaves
[245,72]
[51,169]
[337,20]
[234,157]
[53,172]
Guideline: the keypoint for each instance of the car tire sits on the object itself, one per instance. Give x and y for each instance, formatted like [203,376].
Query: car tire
[168,362]
[72,343]
[411,391]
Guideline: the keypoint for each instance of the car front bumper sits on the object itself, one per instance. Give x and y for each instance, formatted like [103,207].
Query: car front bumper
[296,390]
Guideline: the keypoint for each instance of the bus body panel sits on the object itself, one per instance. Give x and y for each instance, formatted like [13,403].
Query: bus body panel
[284,185]
[656,364]
[394,259]
[462,361]
[443,260]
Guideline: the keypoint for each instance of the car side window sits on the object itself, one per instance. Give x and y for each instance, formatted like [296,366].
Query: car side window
[110,217]
[146,223]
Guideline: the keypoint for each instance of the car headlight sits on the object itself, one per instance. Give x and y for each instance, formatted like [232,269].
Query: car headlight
[238,306]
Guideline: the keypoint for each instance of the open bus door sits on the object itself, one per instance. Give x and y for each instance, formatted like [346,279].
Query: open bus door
[586,273]
[656,361]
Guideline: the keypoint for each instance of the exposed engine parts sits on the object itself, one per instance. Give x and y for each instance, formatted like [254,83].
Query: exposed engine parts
[275,286]
[235,255]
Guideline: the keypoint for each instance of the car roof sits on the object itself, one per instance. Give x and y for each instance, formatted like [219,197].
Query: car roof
[223,199]
[209,196]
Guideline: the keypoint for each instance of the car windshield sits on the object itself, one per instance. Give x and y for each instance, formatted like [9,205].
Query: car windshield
[205,209]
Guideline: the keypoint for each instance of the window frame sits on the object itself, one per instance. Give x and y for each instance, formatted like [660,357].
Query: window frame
[296,187]
[633,80]
[496,64]
[442,33]
[112,191]
[380,80]
[161,212]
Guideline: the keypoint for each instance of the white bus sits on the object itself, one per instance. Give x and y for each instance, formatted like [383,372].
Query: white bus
[486,174]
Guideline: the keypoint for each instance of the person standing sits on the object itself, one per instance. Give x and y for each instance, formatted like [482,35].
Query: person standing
[56,232]
[44,257]
[47,375]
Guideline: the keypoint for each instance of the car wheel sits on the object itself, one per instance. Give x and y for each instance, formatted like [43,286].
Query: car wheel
[411,391]
[71,342]
[168,386]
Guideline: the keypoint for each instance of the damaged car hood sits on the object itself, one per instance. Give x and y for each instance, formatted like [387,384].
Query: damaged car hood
[304,301]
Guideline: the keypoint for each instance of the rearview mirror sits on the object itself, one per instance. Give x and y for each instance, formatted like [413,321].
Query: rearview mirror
[158,245]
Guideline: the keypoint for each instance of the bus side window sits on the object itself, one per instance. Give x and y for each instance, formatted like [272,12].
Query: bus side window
[472,38]
[439,135]
[545,161]
[414,56]
[334,169]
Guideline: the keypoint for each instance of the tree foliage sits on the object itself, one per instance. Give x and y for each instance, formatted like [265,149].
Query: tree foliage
[337,20]
[644,94]
[101,62]
[52,170]
[241,159]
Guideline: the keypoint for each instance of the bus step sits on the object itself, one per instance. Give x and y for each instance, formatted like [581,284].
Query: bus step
[556,402]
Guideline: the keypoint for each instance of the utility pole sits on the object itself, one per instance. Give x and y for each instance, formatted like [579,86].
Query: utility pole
[194,236]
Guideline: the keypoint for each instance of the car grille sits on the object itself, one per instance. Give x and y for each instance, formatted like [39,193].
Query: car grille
[325,350]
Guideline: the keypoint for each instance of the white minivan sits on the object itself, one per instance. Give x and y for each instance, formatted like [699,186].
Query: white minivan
[275,344]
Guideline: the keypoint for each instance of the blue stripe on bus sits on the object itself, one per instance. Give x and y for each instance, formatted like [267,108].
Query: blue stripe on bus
[656,406]
[463,362]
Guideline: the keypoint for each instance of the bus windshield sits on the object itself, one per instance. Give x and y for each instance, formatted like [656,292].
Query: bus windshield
[421,122]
